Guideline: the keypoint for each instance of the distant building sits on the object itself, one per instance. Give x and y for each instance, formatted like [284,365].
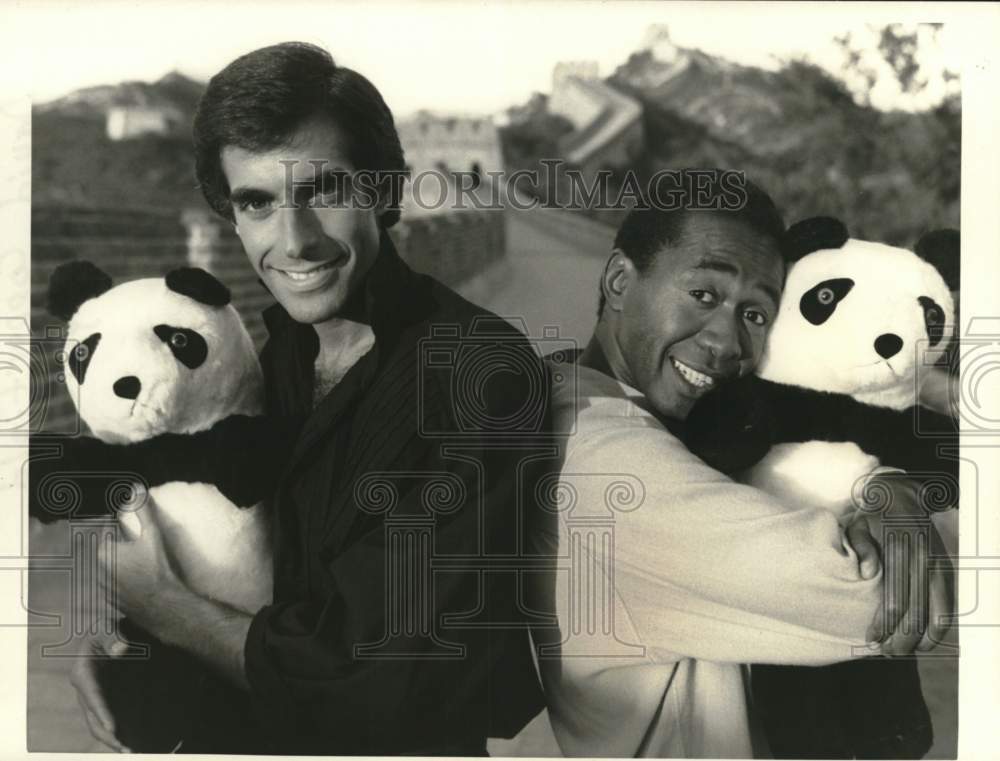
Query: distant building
[666,61]
[657,41]
[579,69]
[450,143]
[572,96]
[128,121]
[607,123]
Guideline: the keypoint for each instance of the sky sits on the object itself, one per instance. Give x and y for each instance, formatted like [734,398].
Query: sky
[444,56]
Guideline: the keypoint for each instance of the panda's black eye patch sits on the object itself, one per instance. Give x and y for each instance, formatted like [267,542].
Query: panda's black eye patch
[819,302]
[186,344]
[80,356]
[933,319]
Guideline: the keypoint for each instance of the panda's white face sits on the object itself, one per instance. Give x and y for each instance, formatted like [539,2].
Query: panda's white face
[857,320]
[143,360]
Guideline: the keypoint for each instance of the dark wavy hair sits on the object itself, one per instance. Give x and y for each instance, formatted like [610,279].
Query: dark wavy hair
[259,100]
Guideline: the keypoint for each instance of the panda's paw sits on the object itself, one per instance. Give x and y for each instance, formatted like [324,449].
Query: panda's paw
[729,429]
[87,455]
[80,467]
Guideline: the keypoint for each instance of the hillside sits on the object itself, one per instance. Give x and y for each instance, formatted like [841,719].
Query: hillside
[797,131]
[73,161]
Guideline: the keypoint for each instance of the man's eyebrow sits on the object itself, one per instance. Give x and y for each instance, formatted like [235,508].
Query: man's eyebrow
[243,193]
[722,265]
[717,265]
[329,179]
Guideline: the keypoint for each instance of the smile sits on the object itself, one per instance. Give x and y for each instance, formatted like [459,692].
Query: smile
[307,276]
[314,277]
[692,376]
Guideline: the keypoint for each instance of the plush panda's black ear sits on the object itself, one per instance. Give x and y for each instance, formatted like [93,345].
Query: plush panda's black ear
[72,284]
[199,285]
[941,248]
[813,234]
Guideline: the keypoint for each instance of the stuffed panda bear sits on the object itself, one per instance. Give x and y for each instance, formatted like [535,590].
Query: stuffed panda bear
[170,355]
[145,361]
[857,320]
[834,396]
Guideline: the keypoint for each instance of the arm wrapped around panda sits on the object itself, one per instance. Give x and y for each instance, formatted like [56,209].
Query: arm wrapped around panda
[187,324]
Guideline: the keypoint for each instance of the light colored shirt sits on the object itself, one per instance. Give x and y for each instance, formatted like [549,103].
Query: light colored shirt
[669,577]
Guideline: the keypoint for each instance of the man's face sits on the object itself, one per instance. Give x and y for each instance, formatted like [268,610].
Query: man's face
[700,313]
[310,249]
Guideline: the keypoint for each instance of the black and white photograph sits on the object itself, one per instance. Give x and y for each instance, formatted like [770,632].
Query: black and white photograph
[521,379]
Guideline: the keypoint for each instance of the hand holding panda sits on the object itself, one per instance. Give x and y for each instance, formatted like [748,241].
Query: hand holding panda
[836,395]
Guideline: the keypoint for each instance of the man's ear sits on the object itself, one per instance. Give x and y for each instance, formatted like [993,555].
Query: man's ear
[619,272]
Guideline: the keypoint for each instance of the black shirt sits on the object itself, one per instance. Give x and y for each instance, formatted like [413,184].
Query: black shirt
[397,625]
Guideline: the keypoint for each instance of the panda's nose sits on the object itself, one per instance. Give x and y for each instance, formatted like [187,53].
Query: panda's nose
[888,345]
[127,387]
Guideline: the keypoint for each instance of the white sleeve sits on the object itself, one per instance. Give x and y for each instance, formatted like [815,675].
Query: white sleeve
[711,569]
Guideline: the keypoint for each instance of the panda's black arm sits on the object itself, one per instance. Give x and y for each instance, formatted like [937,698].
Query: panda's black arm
[920,442]
[241,455]
[731,428]
[72,477]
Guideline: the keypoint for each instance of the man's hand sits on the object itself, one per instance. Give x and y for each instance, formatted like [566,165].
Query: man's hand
[140,570]
[96,713]
[865,547]
[153,596]
[915,598]
[143,574]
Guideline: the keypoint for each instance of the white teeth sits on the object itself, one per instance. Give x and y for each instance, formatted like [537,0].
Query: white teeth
[700,380]
[303,276]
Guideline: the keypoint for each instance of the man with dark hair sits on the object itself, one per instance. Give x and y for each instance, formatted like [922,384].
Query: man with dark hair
[370,646]
[701,575]
[646,231]
[258,102]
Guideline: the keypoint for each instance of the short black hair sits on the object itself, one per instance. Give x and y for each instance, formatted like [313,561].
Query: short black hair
[259,100]
[648,230]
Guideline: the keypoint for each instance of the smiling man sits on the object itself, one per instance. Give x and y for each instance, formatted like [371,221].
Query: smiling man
[696,575]
[667,329]
[356,654]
